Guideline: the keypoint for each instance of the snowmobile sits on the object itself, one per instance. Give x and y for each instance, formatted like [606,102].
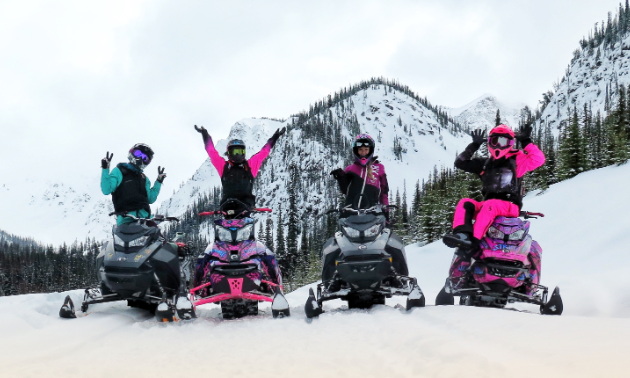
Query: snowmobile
[363,264]
[138,265]
[505,268]
[236,269]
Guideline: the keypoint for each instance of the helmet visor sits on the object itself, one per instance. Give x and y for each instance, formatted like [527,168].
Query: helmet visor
[139,154]
[500,141]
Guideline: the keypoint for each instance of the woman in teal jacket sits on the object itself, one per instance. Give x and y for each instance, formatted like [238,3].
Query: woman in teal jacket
[130,189]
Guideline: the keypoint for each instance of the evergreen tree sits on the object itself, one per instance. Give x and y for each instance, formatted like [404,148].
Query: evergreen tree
[497,120]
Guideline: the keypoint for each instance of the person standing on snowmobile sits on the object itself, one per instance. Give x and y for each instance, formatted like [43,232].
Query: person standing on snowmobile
[364,182]
[501,176]
[237,173]
[130,189]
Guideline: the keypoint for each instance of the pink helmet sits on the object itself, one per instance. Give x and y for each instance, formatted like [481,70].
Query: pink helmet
[500,141]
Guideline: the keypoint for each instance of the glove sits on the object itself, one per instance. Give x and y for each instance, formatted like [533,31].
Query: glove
[277,134]
[161,175]
[479,136]
[337,173]
[204,133]
[105,162]
[524,134]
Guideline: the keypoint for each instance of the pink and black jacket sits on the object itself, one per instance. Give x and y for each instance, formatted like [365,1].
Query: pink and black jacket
[361,190]
[502,178]
[238,179]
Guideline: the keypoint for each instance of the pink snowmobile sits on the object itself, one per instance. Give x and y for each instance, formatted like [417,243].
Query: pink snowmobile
[238,271]
[504,269]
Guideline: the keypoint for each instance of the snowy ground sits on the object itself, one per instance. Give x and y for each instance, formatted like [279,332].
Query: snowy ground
[584,252]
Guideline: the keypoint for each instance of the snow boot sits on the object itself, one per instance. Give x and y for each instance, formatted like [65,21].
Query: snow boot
[462,240]
[554,304]
[312,308]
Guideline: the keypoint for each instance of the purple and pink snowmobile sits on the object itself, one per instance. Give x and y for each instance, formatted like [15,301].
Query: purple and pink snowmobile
[237,271]
[505,268]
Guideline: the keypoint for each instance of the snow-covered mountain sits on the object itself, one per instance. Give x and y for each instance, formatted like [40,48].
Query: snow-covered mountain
[592,77]
[56,212]
[481,113]
[410,140]
[584,253]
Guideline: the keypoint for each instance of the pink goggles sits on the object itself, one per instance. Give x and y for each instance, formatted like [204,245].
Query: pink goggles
[501,142]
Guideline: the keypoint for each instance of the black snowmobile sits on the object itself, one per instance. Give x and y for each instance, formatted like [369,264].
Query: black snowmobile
[138,265]
[363,264]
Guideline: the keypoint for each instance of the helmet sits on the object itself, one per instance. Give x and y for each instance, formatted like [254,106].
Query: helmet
[140,155]
[500,141]
[363,140]
[236,151]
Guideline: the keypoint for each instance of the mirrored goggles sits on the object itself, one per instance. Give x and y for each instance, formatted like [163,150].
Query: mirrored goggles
[362,144]
[139,154]
[500,141]
[237,151]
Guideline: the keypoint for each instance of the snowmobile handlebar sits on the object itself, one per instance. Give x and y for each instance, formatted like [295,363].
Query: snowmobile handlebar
[374,209]
[221,212]
[157,219]
[530,215]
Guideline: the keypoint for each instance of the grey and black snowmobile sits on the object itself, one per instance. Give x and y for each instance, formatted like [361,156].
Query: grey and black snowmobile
[138,265]
[363,264]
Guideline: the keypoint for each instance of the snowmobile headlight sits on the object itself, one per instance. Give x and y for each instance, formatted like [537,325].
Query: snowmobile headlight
[372,231]
[495,234]
[223,234]
[244,233]
[518,235]
[139,242]
[351,232]
[118,241]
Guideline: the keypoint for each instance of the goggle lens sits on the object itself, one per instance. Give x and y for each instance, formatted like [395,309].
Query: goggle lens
[500,141]
[361,144]
[237,151]
[139,154]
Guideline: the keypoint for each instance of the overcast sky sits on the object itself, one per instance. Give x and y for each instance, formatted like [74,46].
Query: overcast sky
[79,78]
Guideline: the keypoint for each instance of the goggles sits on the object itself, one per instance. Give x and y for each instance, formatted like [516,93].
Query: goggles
[500,141]
[362,144]
[139,154]
[237,151]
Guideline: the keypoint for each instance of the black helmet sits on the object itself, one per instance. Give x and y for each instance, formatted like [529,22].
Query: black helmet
[236,151]
[140,155]
[363,140]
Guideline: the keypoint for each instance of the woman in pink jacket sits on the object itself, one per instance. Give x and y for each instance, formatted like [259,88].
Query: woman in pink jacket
[501,175]
[237,173]
[364,182]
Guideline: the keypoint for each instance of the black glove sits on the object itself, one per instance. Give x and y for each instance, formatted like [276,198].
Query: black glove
[479,136]
[337,173]
[277,134]
[105,162]
[204,133]
[523,135]
[161,175]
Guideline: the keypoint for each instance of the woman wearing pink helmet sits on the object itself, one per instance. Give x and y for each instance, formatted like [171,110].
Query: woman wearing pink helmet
[364,182]
[501,176]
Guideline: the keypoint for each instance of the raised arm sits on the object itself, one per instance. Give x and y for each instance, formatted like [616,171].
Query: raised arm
[531,157]
[214,155]
[256,161]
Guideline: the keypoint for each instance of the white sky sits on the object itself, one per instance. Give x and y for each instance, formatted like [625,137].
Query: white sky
[80,78]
